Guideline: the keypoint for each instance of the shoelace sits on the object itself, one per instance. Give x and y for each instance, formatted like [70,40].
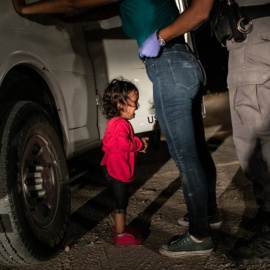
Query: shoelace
[181,241]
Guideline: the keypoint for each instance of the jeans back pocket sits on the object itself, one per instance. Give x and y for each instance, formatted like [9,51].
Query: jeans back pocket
[185,71]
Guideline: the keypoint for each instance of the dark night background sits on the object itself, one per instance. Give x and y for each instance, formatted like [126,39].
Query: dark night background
[213,57]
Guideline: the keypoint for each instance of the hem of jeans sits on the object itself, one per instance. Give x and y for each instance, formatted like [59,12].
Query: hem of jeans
[200,235]
[120,211]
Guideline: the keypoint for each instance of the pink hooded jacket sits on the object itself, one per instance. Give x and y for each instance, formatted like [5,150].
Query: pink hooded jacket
[120,147]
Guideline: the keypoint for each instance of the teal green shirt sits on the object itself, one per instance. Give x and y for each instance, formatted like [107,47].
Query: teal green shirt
[141,18]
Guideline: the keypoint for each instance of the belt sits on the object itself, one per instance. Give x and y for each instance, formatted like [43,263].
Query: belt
[254,12]
[177,40]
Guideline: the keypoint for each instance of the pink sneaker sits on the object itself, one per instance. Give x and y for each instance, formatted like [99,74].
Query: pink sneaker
[126,239]
[131,230]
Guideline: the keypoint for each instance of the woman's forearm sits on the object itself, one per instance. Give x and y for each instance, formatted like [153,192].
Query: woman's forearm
[188,20]
[57,6]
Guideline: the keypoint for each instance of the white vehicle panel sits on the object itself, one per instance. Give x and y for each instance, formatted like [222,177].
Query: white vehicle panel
[63,62]
[122,60]
[114,55]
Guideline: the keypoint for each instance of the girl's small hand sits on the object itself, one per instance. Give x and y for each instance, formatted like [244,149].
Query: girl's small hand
[144,140]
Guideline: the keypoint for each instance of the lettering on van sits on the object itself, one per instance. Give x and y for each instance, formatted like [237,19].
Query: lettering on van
[151,119]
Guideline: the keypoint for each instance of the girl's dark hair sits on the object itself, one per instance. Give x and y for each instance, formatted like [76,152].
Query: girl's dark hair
[116,91]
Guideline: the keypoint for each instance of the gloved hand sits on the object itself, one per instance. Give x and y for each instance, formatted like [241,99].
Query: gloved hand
[150,47]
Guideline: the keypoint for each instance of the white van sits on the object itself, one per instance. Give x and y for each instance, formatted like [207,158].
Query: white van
[52,75]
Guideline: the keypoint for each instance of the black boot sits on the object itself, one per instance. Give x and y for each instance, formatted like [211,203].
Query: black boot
[257,249]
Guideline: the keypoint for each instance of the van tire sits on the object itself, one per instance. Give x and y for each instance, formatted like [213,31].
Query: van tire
[34,185]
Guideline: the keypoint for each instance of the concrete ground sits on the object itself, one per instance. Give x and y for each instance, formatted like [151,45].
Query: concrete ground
[155,205]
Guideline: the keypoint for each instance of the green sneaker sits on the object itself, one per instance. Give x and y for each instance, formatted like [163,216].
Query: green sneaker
[255,251]
[185,246]
[214,221]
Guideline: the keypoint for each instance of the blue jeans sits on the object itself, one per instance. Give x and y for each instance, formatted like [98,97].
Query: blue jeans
[177,77]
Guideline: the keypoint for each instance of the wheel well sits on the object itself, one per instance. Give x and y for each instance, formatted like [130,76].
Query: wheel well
[24,83]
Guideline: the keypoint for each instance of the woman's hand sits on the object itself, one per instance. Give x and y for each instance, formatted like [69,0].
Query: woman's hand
[150,47]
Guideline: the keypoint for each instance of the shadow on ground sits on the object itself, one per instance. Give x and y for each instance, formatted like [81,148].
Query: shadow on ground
[95,209]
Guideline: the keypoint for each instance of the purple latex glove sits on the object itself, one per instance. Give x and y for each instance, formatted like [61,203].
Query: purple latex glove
[150,47]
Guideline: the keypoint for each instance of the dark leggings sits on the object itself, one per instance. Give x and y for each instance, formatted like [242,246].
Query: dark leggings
[120,192]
